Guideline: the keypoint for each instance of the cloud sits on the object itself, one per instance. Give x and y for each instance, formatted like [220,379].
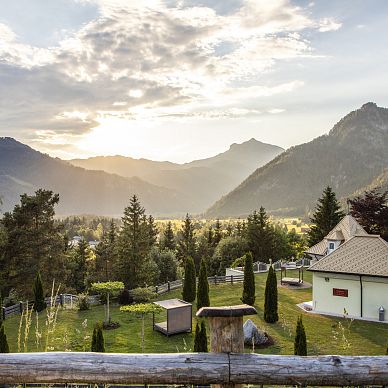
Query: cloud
[151,59]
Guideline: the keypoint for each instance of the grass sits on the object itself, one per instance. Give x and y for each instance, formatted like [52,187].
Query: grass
[324,334]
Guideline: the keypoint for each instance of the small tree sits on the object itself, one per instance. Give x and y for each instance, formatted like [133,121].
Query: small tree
[142,309]
[203,287]
[300,344]
[39,302]
[200,338]
[98,343]
[107,289]
[4,348]
[188,293]
[248,295]
[271,297]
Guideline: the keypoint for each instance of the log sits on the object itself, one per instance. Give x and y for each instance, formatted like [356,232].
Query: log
[192,368]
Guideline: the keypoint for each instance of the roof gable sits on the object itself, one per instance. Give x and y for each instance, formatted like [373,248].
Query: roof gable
[360,255]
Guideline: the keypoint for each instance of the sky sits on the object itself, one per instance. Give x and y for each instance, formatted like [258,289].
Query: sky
[182,80]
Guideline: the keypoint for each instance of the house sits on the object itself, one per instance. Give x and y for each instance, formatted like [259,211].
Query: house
[351,275]
[342,232]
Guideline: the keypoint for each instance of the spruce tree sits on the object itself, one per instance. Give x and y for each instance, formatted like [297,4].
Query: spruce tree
[98,343]
[271,297]
[39,302]
[4,348]
[188,293]
[187,242]
[248,295]
[300,344]
[327,215]
[168,241]
[197,338]
[203,287]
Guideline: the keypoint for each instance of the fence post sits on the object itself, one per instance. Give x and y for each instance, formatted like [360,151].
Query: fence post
[61,300]
[231,279]
[21,307]
[226,330]
[168,286]
[215,279]
[156,289]
[3,313]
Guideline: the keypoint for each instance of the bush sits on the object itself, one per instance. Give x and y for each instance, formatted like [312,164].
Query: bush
[83,302]
[3,340]
[248,295]
[39,302]
[98,343]
[203,299]
[143,294]
[200,338]
[271,297]
[300,344]
[125,298]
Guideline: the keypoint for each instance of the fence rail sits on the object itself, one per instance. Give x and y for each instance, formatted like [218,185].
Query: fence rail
[192,368]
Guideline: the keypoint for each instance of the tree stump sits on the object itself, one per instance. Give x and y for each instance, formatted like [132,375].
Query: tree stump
[226,330]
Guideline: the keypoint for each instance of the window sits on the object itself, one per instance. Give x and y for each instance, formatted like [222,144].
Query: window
[331,246]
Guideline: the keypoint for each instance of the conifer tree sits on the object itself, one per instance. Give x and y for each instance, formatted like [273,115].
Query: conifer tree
[4,348]
[203,287]
[39,302]
[248,295]
[187,243]
[168,241]
[188,293]
[200,338]
[300,344]
[217,232]
[271,297]
[98,343]
[327,215]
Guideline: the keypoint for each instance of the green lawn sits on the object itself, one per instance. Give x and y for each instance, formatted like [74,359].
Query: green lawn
[324,336]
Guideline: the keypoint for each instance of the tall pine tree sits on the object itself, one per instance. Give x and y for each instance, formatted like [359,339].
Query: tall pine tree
[135,241]
[300,344]
[248,295]
[203,299]
[187,243]
[259,235]
[188,293]
[327,215]
[271,297]
[39,302]
[168,241]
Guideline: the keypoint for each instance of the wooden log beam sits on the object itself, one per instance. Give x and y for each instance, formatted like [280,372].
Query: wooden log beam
[192,368]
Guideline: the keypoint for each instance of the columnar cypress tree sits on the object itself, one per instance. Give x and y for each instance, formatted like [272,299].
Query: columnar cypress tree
[327,215]
[98,343]
[300,344]
[4,348]
[200,338]
[203,287]
[188,293]
[271,297]
[248,295]
[39,302]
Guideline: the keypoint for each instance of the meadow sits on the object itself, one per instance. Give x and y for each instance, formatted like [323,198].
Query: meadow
[325,335]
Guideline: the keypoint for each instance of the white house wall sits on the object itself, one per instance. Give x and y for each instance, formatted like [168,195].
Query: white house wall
[374,294]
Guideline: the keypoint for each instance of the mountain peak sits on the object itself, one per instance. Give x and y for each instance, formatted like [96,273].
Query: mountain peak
[369,105]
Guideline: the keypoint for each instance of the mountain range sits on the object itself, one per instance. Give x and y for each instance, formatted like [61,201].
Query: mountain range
[165,189]
[352,157]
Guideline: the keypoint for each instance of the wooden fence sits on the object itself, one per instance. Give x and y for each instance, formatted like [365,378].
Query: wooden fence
[192,368]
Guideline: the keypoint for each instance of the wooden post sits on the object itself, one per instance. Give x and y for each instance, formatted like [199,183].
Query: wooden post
[226,330]
[3,313]
[168,286]
[231,279]
[21,307]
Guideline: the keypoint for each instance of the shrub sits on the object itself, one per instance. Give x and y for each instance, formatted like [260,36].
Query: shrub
[248,295]
[200,338]
[4,348]
[300,344]
[271,297]
[98,343]
[125,298]
[83,302]
[143,294]
[39,302]
[189,289]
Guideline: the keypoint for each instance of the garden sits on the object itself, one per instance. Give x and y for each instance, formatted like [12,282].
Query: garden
[325,335]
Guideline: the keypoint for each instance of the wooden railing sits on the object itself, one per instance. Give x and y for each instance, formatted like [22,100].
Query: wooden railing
[192,368]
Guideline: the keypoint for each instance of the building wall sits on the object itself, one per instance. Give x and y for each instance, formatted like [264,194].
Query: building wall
[375,294]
